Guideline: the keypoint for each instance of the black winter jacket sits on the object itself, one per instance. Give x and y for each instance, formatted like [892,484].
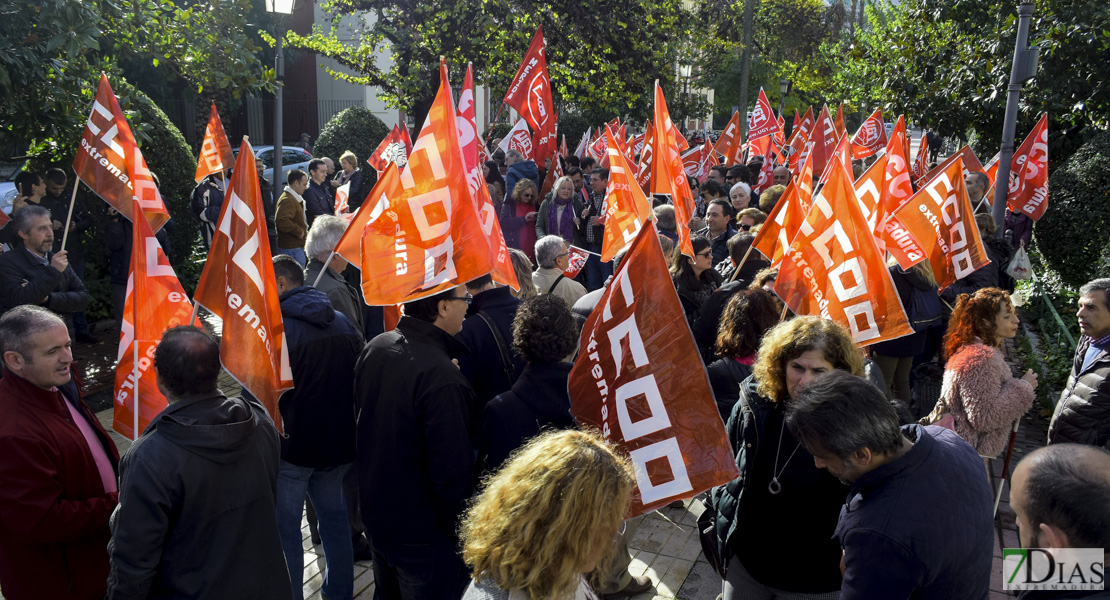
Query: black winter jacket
[1082,415]
[64,291]
[318,414]
[539,400]
[415,458]
[317,202]
[483,365]
[197,514]
[725,377]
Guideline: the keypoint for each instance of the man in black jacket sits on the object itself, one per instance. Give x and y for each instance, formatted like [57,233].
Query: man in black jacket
[316,199]
[32,275]
[319,417]
[415,457]
[1082,415]
[197,514]
[491,365]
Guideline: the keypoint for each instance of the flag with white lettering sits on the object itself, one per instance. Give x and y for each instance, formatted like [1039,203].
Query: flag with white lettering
[238,286]
[762,122]
[626,206]
[871,136]
[530,94]
[109,161]
[639,380]
[1028,191]
[215,152]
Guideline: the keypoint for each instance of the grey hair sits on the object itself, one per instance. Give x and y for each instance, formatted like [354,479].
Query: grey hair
[738,185]
[323,237]
[664,217]
[547,249]
[515,154]
[1095,285]
[21,219]
[20,323]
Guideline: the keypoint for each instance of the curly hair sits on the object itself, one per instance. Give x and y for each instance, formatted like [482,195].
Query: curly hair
[540,520]
[761,278]
[793,338]
[523,186]
[544,331]
[747,316]
[973,319]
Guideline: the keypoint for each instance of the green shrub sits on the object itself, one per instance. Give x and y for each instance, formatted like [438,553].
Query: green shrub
[572,125]
[496,131]
[1072,235]
[358,130]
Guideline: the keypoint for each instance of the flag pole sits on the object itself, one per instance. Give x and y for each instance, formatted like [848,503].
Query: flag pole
[782,317]
[325,268]
[1006,464]
[135,371]
[72,199]
[196,311]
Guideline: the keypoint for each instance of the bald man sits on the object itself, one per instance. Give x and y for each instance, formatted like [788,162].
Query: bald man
[1061,497]
[781,175]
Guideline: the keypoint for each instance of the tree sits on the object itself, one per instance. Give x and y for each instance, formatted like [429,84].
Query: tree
[603,57]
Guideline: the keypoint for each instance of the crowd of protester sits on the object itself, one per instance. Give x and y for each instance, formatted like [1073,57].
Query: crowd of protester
[444,451]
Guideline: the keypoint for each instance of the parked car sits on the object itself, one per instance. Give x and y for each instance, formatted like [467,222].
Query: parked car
[292,157]
[889,129]
[8,170]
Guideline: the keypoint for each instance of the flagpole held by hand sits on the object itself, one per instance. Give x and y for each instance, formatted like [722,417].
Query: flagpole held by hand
[325,268]
[69,217]
[742,261]
[785,308]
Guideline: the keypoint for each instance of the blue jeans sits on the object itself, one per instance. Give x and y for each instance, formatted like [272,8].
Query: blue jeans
[325,488]
[596,271]
[297,253]
[418,571]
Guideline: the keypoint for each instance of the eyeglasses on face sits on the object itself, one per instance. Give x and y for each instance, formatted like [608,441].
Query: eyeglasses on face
[745,227]
[467,298]
[706,254]
[528,195]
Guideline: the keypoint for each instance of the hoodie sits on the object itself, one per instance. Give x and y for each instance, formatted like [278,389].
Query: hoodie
[538,400]
[197,514]
[319,413]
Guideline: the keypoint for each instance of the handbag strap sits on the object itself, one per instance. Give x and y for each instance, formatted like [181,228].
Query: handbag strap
[557,280]
[502,347]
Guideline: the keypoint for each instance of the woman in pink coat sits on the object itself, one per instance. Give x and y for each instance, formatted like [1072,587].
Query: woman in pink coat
[980,392]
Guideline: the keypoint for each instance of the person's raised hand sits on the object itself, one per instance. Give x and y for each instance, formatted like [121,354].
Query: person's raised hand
[60,261]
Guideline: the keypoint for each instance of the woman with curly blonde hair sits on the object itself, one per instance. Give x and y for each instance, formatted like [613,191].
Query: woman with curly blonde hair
[781,498]
[979,391]
[546,518]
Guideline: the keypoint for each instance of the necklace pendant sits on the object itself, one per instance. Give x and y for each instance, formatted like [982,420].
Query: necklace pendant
[774,487]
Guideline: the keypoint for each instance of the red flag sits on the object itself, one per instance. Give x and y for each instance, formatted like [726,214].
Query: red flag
[800,149]
[900,126]
[871,136]
[155,302]
[530,94]
[762,122]
[834,269]
[638,379]
[797,123]
[238,286]
[779,137]
[920,165]
[805,184]
[576,261]
[766,173]
[503,271]
[697,161]
[838,125]
[808,122]
[728,144]
[519,139]
[377,201]
[991,169]
[667,176]
[553,174]
[637,145]
[215,152]
[781,226]
[1028,191]
[626,206]
[428,237]
[842,155]
[824,141]
[110,162]
[562,146]
[392,150]
[940,218]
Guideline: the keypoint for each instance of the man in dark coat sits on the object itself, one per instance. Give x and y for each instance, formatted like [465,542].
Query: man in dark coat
[58,471]
[198,491]
[1082,415]
[944,550]
[57,201]
[519,169]
[317,201]
[319,417]
[322,239]
[415,457]
[33,275]
[491,365]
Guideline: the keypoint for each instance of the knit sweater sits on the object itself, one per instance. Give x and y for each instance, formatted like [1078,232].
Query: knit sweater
[984,397]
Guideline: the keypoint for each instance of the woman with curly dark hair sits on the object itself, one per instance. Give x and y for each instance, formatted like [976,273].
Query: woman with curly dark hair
[747,316]
[979,391]
[545,334]
[781,501]
[694,278]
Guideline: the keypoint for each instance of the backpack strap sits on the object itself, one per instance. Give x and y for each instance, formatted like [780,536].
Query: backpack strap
[506,357]
[557,280]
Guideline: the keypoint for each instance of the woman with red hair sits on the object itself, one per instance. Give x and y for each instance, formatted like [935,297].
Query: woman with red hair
[979,391]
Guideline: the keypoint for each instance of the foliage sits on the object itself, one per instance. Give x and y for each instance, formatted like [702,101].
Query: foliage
[946,65]
[1055,350]
[1072,234]
[604,56]
[498,131]
[358,130]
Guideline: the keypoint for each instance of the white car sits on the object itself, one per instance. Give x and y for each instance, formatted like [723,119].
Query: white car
[889,129]
[8,170]
[292,157]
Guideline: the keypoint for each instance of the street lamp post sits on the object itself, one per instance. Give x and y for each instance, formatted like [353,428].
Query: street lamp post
[684,72]
[279,8]
[784,89]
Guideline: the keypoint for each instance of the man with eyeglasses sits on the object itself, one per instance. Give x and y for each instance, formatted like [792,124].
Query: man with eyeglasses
[554,258]
[415,458]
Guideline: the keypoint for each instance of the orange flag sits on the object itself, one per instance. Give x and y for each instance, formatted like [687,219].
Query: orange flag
[729,141]
[215,152]
[643,171]
[762,122]
[841,130]
[427,238]
[900,125]
[667,176]
[377,201]
[779,138]
[940,218]
[877,201]
[110,162]
[834,269]
[155,302]
[530,94]
[553,174]
[799,149]
[805,184]
[698,161]
[1029,173]
[391,150]
[871,136]
[626,206]
[842,155]
[895,191]
[781,226]
[797,122]
[503,271]
[238,286]
[920,165]
[639,381]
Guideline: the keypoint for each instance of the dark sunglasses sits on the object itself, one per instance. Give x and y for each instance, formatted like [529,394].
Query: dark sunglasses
[467,298]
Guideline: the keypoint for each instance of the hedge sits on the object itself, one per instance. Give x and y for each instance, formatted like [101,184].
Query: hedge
[358,130]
